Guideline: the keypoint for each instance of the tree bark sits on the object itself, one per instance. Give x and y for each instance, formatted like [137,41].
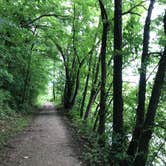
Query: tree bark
[68,90]
[142,85]
[94,91]
[27,76]
[87,78]
[117,137]
[151,112]
[77,83]
[53,91]
[85,88]
[102,111]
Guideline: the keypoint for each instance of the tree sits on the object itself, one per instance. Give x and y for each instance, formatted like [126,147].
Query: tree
[102,111]
[117,137]
[81,51]
[148,126]
[142,84]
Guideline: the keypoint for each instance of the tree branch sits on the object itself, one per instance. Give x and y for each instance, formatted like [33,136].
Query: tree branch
[61,52]
[152,72]
[41,16]
[103,11]
[130,11]
[155,53]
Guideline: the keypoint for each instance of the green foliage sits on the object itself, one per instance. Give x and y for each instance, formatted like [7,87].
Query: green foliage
[10,124]
[31,63]
[24,71]
[93,154]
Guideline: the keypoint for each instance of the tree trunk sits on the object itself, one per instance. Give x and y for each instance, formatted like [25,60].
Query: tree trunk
[102,111]
[85,88]
[94,91]
[77,83]
[53,83]
[68,82]
[53,91]
[117,137]
[93,95]
[142,85]
[96,123]
[27,76]
[151,112]
[68,90]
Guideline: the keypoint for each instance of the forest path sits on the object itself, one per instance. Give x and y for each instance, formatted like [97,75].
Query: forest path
[47,141]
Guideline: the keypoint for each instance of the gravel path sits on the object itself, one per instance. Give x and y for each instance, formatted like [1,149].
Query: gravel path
[47,142]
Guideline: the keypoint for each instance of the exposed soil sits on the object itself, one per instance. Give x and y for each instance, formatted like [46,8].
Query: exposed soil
[48,141]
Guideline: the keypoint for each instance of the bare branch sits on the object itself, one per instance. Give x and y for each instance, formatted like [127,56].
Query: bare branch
[162,127]
[41,16]
[130,11]
[152,72]
[134,13]
[155,53]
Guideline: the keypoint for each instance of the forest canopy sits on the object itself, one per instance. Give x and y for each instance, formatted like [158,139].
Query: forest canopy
[103,61]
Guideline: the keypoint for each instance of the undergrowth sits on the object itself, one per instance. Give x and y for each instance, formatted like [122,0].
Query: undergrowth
[93,154]
[11,123]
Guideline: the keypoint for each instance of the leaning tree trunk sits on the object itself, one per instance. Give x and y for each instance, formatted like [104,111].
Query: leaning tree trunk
[87,78]
[77,84]
[85,88]
[68,82]
[148,126]
[102,111]
[94,91]
[142,85]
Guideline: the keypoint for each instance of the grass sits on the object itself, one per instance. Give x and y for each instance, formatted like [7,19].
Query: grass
[12,125]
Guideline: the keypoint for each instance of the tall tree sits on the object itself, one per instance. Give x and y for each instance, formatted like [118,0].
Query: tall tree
[102,111]
[87,77]
[94,89]
[142,84]
[148,126]
[117,137]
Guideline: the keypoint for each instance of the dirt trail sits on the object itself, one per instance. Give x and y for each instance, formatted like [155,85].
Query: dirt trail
[47,142]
